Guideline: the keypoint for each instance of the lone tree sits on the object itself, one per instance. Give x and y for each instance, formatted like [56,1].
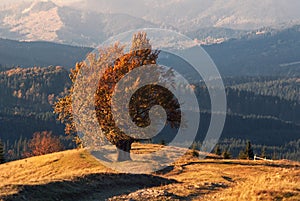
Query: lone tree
[141,102]
[2,158]
[63,107]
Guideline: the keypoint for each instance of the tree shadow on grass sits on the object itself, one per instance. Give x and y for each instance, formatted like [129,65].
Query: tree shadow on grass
[90,187]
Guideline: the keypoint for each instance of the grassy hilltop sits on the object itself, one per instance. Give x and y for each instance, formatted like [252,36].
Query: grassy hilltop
[77,175]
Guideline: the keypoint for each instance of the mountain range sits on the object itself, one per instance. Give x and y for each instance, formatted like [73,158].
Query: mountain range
[90,22]
[187,15]
[45,21]
[255,45]
[274,52]
[28,54]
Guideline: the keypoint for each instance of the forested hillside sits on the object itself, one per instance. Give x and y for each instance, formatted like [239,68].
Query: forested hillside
[29,54]
[284,88]
[31,91]
[270,54]
[261,74]
[264,117]
[274,53]
[26,102]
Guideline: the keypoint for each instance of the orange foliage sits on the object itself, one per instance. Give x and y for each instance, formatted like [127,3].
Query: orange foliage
[43,143]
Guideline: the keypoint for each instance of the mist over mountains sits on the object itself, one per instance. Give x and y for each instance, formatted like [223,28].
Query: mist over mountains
[90,22]
[274,53]
[194,14]
[46,21]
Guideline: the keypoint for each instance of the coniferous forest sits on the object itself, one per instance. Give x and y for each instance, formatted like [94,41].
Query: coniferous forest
[263,110]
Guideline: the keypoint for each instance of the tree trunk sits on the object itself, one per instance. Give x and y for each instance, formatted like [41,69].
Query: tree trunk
[124,147]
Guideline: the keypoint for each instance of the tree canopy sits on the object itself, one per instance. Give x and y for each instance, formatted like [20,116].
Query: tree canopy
[140,54]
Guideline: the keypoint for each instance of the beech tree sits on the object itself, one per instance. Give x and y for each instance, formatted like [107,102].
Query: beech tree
[141,102]
[63,107]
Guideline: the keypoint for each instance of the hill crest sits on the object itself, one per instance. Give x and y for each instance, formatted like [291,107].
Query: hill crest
[77,175]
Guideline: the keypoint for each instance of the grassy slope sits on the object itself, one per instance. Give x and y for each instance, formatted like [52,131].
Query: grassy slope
[76,175]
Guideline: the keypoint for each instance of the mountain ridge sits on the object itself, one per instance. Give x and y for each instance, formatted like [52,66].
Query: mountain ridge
[235,14]
[249,54]
[90,22]
[76,174]
[47,21]
[39,53]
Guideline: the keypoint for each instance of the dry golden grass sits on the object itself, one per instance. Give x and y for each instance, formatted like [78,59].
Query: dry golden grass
[242,180]
[76,175]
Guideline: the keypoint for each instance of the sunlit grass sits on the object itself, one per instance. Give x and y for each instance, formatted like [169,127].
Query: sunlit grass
[189,177]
